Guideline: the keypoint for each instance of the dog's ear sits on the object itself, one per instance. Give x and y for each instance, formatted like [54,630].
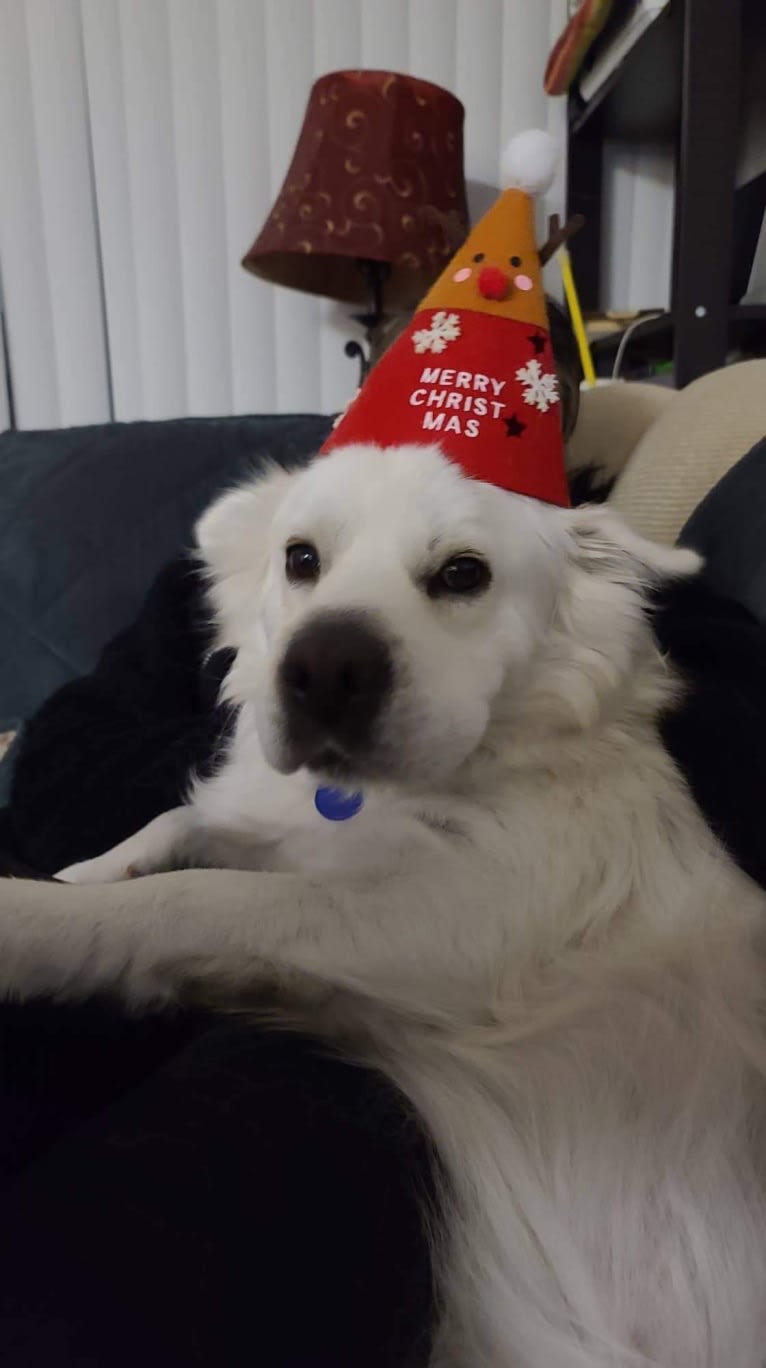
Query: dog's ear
[232,534]
[601,631]
[232,539]
[604,545]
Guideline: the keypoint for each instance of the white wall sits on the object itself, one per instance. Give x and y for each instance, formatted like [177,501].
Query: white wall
[142,143]
[637,226]
[5,408]
[48,241]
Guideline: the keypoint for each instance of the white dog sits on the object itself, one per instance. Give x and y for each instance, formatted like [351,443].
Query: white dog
[527,923]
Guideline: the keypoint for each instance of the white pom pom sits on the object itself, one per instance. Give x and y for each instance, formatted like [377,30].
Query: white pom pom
[529,162]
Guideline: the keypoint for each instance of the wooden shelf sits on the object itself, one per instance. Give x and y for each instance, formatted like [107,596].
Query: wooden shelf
[705,72]
[635,64]
[654,338]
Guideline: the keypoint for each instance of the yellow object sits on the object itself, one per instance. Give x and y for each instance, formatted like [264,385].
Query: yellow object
[575,314]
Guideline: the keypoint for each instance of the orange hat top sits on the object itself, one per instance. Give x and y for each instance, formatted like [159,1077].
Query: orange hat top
[474,371]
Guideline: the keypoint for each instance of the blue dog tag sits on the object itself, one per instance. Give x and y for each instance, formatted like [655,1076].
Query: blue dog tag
[336,805]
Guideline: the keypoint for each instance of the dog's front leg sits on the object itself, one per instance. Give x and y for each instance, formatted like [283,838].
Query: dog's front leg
[164,843]
[412,941]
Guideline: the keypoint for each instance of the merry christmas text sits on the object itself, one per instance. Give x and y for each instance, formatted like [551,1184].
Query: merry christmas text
[459,394]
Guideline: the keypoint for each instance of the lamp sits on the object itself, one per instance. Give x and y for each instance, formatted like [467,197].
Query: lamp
[373,205]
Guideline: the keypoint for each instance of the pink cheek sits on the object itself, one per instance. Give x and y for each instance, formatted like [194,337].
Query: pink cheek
[464,273]
[523,282]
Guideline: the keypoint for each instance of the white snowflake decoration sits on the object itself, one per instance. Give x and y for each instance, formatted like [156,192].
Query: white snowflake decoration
[444,328]
[540,389]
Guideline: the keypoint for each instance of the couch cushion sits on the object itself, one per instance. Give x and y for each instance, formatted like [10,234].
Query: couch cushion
[612,420]
[694,441]
[89,515]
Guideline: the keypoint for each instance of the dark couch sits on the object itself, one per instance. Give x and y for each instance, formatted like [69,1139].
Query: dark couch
[89,516]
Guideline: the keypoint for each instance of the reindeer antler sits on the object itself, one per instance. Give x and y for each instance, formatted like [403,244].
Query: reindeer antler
[557,235]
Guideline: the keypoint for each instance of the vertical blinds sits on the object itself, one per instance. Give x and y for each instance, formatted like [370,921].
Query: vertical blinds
[142,143]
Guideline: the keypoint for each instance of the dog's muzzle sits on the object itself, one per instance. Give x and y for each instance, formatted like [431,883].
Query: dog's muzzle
[334,681]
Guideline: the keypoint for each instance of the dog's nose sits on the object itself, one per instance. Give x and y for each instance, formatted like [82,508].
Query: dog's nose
[334,678]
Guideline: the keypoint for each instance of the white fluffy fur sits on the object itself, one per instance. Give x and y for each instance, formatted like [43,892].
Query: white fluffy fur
[529,162]
[528,926]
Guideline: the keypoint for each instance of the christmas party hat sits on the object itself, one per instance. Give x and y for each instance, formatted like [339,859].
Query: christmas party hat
[473,372]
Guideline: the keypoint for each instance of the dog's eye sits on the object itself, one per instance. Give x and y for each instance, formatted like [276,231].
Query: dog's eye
[302,562]
[461,575]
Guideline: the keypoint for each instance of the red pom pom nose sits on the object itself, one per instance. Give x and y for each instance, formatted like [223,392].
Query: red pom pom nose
[493,283]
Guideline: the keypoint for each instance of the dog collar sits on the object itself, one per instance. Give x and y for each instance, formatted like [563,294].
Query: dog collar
[336,805]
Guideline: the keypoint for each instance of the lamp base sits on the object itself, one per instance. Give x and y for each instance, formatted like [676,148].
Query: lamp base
[373,321]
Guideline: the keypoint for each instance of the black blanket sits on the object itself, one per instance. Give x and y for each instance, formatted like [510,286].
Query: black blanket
[184,1193]
[108,752]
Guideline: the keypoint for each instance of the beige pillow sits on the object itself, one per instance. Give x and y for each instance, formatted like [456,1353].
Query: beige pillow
[695,439]
[612,419]
[5,741]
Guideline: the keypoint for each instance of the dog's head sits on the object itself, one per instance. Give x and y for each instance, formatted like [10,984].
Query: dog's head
[385,609]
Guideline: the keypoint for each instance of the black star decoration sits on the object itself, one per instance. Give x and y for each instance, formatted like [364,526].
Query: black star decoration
[538,342]
[515,426]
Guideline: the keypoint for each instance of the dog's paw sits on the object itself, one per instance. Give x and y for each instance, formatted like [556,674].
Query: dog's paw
[103,869]
[155,847]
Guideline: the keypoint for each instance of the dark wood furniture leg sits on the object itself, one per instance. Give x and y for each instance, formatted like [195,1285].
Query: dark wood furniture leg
[705,184]
[586,174]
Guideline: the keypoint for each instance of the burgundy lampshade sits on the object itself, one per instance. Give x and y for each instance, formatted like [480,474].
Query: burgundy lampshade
[377,175]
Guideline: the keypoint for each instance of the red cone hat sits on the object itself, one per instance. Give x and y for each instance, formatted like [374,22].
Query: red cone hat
[474,372]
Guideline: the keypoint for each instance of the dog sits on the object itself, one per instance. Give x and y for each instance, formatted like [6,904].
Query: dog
[512,904]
